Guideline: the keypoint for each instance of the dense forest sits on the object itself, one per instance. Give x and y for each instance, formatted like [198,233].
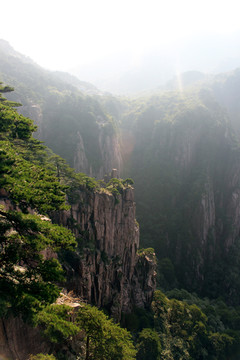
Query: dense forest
[181,148]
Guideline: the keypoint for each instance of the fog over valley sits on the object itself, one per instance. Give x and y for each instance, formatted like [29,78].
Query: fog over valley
[119,180]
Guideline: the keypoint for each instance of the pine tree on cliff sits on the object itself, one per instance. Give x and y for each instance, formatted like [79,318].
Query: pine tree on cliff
[5,89]
[27,277]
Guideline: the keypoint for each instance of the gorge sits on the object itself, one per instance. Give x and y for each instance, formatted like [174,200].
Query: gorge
[181,148]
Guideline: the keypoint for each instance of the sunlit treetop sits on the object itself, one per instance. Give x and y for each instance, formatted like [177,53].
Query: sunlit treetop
[3,100]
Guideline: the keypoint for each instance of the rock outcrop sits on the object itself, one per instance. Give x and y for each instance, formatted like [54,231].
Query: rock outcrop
[186,172]
[106,270]
[109,155]
[18,340]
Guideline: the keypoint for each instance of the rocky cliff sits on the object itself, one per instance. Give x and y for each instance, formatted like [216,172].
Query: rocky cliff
[106,270]
[18,340]
[94,151]
[185,165]
[109,155]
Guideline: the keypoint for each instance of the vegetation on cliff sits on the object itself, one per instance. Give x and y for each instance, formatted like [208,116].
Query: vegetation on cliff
[28,279]
[184,162]
[66,115]
[183,155]
[30,272]
[183,326]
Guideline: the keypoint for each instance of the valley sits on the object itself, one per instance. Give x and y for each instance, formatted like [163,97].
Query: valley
[159,252]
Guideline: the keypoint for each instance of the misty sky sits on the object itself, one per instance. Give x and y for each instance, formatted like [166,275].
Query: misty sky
[61,35]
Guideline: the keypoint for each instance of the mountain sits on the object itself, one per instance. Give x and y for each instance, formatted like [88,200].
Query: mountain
[181,147]
[93,251]
[173,144]
[184,80]
[83,86]
[71,122]
[185,166]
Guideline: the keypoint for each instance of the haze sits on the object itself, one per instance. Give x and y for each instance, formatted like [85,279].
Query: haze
[140,44]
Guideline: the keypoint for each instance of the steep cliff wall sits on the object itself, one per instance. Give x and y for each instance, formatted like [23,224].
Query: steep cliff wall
[106,270]
[185,164]
[108,157]
[18,340]
[91,148]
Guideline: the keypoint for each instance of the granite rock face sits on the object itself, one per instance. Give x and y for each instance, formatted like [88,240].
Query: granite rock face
[109,155]
[106,270]
[18,340]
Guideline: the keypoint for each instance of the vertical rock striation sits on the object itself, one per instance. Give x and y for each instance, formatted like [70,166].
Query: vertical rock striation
[18,340]
[106,270]
[109,155]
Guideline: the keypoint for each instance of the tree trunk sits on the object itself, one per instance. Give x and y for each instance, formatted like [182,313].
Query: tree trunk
[87,349]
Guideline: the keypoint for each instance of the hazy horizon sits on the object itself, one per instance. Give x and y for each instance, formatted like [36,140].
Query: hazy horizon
[111,43]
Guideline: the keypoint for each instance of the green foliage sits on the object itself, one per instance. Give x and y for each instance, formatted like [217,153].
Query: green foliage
[149,252]
[56,322]
[101,337]
[128,181]
[27,281]
[183,153]
[29,184]
[137,320]
[13,125]
[88,182]
[166,273]
[220,345]
[185,331]
[42,357]
[4,101]
[67,115]
[28,277]
[104,339]
[222,320]
[70,180]
[168,194]
[149,345]
[115,186]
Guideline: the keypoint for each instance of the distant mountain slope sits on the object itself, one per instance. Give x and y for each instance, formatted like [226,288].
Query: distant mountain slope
[183,154]
[71,122]
[185,79]
[134,72]
[83,86]
[178,146]
[226,89]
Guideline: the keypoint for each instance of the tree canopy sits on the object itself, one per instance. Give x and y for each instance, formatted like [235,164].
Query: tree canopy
[28,276]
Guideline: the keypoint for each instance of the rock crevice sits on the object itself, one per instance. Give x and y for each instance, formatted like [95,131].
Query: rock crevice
[106,269]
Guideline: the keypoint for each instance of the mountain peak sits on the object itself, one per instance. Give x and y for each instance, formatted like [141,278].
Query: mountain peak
[7,49]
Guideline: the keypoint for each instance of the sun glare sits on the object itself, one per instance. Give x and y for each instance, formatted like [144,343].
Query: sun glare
[62,34]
